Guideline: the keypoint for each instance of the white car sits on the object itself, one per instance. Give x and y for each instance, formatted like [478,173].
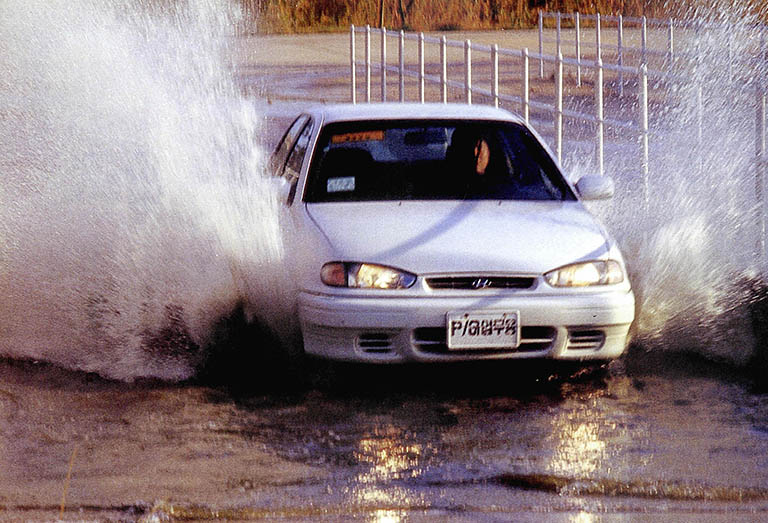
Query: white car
[445,232]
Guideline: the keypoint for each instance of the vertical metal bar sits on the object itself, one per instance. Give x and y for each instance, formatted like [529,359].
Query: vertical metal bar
[557,32]
[444,70]
[643,40]
[598,39]
[643,71]
[578,48]
[368,63]
[352,66]
[383,32]
[559,107]
[401,65]
[495,74]
[468,71]
[422,93]
[526,99]
[541,44]
[671,41]
[620,53]
[599,117]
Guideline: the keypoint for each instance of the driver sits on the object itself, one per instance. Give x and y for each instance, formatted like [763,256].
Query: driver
[470,157]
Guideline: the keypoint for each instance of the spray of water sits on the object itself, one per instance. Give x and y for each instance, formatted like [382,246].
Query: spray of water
[692,243]
[133,213]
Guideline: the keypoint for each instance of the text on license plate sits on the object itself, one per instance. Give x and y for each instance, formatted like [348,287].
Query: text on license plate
[483,329]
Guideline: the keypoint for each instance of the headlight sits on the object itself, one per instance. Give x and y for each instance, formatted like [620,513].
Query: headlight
[600,272]
[365,276]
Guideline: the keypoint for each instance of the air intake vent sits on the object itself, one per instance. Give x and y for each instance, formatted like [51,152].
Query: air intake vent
[532,339]
[481,282]
[375,342]
[585,339]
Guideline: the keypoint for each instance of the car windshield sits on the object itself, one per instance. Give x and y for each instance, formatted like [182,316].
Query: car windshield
[432,160]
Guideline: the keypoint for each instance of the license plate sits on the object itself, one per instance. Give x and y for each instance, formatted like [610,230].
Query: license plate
[483,329]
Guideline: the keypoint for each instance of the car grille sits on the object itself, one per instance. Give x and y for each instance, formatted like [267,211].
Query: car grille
[481,282]
[532,339]
[585,339]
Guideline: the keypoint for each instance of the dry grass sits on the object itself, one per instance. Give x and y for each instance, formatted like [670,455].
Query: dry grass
[291,16]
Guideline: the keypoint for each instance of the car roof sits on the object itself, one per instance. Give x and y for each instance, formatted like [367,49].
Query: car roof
[408,110]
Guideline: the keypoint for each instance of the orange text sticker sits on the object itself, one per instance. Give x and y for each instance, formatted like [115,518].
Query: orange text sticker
[361,136]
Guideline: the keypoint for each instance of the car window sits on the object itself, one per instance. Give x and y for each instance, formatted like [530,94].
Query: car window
[296,159]
[432,160]
[279,156]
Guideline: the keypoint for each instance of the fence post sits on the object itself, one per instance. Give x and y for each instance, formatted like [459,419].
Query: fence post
[578,48]
[495,74]
[671,38]
[643,72]
[598,40]
[401,64]
[468,71]
[541,44]
[383,32]
[620,52]
[643,40]
[600,127]
[422,94]
[559,107]
[352,65]
[368,63]
[525,98]
[444,69]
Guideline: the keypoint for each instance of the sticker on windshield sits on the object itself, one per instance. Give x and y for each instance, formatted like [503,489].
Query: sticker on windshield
[361,136]
[342,184]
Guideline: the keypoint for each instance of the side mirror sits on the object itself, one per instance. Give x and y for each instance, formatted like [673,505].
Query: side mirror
[595,187]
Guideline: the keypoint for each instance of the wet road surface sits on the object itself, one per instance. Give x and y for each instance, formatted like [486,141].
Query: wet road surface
[674,436]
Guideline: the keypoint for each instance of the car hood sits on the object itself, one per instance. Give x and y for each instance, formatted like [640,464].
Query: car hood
[461,236]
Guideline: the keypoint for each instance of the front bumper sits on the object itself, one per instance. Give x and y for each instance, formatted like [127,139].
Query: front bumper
[386,328]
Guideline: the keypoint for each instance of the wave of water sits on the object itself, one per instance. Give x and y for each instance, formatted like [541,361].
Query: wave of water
[132,210]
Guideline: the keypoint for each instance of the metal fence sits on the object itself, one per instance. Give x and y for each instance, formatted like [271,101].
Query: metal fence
[630,66]
[489,87]
[602,24]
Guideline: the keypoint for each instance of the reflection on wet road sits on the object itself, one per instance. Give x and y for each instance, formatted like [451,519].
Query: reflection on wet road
[480,442]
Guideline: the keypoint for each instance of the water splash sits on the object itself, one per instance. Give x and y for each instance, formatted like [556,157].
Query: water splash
[692,246]
[133,215]
[132,210]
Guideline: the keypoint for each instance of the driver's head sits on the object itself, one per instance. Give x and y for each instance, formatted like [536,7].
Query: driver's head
[469,150]
[482,155]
